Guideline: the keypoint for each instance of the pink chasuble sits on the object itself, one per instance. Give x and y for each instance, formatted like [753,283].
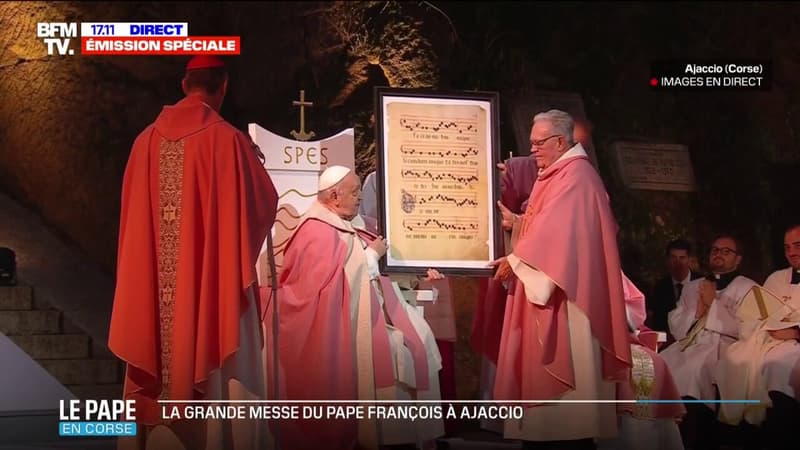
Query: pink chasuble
[487,324]
[569,234]
[316,336]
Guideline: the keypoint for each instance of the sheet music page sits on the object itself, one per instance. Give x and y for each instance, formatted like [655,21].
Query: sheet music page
[438,161]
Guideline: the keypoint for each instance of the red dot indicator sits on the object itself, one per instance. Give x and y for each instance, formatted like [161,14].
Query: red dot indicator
[653,82]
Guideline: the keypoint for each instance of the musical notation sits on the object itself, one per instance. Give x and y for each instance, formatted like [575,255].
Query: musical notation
[459,176]
[418,123]
[445,198]
[432,150]
[437,185]
[439,224]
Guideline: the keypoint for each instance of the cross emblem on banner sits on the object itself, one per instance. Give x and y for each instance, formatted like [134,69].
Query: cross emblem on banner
[302,103]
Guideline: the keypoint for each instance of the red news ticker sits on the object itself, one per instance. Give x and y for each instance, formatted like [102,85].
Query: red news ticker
[135,45]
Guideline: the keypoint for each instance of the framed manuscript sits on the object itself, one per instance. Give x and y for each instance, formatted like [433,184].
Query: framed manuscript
[437,180]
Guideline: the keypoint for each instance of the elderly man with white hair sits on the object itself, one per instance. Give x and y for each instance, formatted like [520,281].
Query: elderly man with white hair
[565,334]
[341,335]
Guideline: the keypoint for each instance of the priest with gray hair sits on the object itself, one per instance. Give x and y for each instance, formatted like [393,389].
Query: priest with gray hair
[565,335]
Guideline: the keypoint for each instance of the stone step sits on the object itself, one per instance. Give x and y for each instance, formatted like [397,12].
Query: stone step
[100,350]
[20,429]
[83,371]
[30,322]
[14,298]
[54,346]
[97,391]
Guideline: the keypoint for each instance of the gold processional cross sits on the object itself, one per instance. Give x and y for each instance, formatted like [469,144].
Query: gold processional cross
[302,103]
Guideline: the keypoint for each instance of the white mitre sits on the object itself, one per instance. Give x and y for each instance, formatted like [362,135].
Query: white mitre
[331,177]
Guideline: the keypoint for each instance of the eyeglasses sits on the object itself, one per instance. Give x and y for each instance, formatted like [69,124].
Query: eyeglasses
[725,251]
[540,143]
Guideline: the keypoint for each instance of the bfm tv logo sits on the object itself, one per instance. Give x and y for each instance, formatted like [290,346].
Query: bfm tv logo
[63,31]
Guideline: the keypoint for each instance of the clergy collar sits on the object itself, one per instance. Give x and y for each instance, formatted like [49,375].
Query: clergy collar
[724,279]
[358,223]
[574,152]
[318,210]
[795,276]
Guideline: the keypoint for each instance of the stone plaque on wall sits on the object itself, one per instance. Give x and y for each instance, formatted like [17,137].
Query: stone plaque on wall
[660,167]
[525,104]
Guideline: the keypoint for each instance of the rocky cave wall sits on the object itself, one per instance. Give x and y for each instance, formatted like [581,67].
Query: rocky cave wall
[66,124]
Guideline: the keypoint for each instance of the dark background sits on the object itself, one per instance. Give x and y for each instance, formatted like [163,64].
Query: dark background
[67,123]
